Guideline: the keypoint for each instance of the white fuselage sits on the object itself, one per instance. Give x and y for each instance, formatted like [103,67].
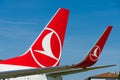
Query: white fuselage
[8,67]
[32,77]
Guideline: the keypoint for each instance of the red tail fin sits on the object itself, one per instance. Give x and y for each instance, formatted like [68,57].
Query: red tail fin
[47,47]
[94,53]
[46,50]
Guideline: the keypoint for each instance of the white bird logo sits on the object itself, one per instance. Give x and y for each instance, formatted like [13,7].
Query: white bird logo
[94,55]
[47,46]
[95,52]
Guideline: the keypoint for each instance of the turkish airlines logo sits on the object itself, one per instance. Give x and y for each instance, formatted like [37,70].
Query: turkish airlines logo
[47,50]
[95,53]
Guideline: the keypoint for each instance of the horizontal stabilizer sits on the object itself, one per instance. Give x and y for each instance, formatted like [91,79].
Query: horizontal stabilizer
[52,71]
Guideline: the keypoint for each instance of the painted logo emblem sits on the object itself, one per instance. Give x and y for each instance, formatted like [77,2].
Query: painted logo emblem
[47,49]
[95,53]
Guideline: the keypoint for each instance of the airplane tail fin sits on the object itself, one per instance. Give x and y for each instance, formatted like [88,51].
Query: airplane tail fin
[46,49]
[96,50]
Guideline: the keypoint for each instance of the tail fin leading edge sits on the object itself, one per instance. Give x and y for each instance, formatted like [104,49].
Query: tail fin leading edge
[95,52]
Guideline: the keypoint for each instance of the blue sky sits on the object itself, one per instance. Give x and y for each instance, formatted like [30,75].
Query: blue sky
[21,21]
